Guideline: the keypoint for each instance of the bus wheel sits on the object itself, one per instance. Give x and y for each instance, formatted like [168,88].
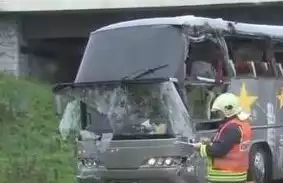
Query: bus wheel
[260,164]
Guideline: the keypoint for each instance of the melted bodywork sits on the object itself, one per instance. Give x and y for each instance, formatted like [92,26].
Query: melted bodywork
[145,88]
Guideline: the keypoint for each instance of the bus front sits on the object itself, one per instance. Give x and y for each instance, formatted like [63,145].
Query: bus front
[132,107]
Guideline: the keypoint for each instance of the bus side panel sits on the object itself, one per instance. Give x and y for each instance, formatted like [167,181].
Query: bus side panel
[279,130]
[269,104]
[264,113]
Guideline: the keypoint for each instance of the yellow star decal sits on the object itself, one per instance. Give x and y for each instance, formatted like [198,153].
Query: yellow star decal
[245,100]
[280,98]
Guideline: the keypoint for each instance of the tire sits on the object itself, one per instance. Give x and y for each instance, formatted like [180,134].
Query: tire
[260,169]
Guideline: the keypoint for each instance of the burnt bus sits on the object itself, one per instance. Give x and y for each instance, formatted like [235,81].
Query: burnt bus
[145,87]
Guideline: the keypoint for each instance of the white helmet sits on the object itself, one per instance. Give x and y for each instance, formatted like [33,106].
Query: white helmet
[229,105]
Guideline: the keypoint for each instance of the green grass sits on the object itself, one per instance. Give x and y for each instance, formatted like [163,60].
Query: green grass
[31,150]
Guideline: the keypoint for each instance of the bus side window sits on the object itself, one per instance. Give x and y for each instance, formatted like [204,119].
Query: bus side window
[246,69]
[263,69]
[204,61]
[249,56]
[200,99]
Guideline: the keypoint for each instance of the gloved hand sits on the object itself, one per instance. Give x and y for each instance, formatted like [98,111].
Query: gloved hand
[196,145]
[205,141]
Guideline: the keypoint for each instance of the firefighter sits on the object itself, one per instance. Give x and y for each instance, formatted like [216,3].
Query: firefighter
[227,154]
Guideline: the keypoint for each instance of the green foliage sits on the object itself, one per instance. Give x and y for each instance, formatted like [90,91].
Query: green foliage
[31,150]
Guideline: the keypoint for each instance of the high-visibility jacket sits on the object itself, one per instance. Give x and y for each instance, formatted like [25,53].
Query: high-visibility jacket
[234,165]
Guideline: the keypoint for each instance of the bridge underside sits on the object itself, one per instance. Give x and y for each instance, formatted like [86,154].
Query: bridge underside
[66,5]
[45,45]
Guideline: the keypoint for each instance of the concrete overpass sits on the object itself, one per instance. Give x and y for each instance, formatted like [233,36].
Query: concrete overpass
[38,36]
[60,5]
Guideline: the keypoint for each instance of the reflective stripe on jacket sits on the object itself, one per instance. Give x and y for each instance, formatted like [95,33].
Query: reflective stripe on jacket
[234,165]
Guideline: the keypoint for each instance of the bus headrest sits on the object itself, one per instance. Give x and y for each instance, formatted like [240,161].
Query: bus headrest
[244,67]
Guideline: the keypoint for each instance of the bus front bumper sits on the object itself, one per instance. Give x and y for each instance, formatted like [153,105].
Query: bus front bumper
[141,175]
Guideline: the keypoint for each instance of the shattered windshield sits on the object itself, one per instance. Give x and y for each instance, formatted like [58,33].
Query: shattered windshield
[135,110]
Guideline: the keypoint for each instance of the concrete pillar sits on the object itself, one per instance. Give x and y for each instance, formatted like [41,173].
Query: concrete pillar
[11,61]
[24,58]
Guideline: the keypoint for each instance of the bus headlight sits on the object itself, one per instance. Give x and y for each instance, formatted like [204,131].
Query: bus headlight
[151,161]
[162,162]
[89,162]
[168,161]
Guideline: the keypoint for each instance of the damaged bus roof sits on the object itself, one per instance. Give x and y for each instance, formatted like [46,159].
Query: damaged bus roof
[216,23]
[151,48]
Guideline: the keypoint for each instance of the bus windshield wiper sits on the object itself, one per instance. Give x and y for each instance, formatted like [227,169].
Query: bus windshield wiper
[145,72]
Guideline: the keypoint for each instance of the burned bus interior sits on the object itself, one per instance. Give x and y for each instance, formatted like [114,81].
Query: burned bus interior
[249,57]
